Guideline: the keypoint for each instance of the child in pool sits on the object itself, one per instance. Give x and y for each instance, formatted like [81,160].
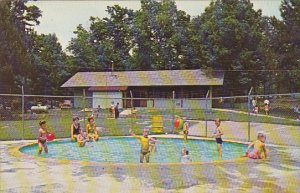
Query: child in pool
[145,144]
[152,145]
[185,130]
[91,130]
[42,141]
[217,134]
[185,158]
[260,151]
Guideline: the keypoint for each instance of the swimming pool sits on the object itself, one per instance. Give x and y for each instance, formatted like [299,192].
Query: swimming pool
[126,150]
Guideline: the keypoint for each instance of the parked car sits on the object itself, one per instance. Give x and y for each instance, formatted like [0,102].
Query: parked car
[39,108]
[67,104]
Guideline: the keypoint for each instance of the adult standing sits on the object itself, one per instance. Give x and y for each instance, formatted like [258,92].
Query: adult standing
[112,109]
[267,106]
[117,113]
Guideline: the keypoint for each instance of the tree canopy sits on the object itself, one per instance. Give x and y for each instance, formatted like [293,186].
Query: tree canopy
[230,35]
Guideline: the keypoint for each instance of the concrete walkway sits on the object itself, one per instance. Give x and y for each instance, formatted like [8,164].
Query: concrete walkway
[281,173]
[276,133]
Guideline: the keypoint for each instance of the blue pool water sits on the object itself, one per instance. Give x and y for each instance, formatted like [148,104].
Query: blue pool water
[124,150]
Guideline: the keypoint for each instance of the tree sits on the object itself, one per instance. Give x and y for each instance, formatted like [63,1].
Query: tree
[160,36]
[290,43]
[232,33]
[111,38]
[50,69]
[85,58]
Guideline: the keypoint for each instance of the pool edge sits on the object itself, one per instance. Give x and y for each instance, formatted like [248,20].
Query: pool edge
[17,153]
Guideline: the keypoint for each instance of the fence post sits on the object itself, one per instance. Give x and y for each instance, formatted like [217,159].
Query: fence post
[83,92]
[23,105]
[173,110]
[249,110]
[131,101]
[205,112]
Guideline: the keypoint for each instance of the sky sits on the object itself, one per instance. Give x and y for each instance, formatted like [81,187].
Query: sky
[62,17]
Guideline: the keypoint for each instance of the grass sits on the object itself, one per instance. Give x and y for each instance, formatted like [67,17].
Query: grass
[59,122]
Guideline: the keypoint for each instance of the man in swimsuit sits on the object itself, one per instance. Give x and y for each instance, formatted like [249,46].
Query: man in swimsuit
[217,134]
[144,140]
[42,140]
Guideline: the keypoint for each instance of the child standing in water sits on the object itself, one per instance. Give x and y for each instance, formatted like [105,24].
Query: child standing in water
[152,145]
[217,134]
[185,158]
[42,141]
[91,130]
[145,144]
[185,130]
[259,151]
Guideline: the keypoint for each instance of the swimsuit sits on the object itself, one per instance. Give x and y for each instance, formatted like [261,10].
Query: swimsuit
[219,140]
[42,138]
[76,131]
[144,152]
[91,129]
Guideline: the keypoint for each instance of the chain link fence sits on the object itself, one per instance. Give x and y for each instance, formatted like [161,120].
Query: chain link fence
[242,116]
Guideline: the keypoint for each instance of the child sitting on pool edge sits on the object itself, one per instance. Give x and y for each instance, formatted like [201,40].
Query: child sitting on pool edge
[91,130]
[82,139]
[75,129]
[260,151]
[42,140]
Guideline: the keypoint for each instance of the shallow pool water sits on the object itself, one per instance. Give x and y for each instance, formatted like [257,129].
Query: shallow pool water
[125,149]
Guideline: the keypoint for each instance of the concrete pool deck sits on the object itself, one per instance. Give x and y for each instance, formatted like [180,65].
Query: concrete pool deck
[281,173]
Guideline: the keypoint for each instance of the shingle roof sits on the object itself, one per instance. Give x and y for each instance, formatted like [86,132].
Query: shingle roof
[146,78]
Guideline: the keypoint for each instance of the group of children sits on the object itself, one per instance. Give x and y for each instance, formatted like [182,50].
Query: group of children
[77,133]
[148,143]
[256,108]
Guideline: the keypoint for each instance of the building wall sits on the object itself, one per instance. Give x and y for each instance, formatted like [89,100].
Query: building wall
[182,103]
[104,99]
[165,101]
[79,102]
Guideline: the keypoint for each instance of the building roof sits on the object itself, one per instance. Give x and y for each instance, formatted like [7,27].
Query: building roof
[107,88]
[146,78]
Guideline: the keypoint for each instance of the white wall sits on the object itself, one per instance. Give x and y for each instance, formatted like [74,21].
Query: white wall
[104,99]
[182,103]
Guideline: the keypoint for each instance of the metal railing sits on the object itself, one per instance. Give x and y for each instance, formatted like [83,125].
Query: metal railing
[242,116]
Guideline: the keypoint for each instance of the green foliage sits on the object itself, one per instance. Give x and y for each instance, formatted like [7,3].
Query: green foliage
[15,63]
[252,50]
[50,64]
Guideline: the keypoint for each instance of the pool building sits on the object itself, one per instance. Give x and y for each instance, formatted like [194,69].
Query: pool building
[145,88]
